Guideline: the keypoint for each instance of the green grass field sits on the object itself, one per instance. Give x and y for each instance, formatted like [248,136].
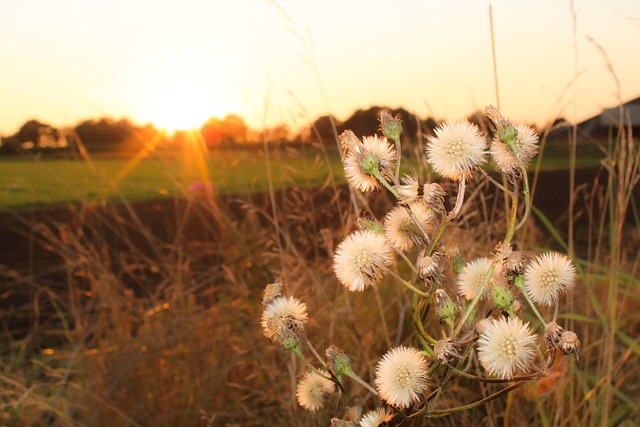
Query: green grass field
[26,184]
[30,184]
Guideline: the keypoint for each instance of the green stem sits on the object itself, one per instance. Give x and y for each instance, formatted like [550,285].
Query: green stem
[527,198]
[492,380]
[444,412]
[422,333]
[437,237]
[398,147]
[407,284]
[360,381]
[534,309]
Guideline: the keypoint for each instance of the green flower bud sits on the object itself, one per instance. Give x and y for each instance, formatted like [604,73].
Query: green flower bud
[502,298]
[445,308]
[291,343]
[338,361]
[369,164]
[391,126]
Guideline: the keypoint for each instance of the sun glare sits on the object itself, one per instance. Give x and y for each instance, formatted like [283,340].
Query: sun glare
[180,104]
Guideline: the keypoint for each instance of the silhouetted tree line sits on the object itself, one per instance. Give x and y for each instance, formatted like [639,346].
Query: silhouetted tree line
[123,136]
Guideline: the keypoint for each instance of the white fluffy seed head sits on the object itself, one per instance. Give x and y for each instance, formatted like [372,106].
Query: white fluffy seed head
[472,277]
[548,276]
[376,417]
[506,347]
[283,317]
[456,149]
[402,231]
[361,260]
[313,390]
[401,376]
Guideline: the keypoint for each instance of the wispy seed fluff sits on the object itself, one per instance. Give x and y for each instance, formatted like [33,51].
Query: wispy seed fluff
[283,317]
[548,276]
[313,390]
[401,376]
[456,149]
[375,152]
[472,276]
[376,417]
[361,260]
[506,347]
[402,231]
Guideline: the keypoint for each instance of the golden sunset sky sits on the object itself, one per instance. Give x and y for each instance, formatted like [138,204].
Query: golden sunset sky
[176,63]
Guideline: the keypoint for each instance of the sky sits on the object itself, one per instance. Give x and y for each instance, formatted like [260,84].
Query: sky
[177,63]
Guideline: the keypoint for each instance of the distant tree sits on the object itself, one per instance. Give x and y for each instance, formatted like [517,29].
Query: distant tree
[231,130]
[363,122]
[234,128]
[322,128]
[38,134]
[211,131]
[10,144]
[105,134]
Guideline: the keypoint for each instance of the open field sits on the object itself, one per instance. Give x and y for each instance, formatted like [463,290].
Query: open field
[28,184]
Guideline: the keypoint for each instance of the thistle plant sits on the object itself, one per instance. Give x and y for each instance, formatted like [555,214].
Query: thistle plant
[488,329]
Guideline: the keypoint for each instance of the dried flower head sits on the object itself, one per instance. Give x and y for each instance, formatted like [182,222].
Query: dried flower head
[402,231]
[271,291]
[429,266]
[569,343]
[283,317]
[548,276]
[472,277]
[373,156]
[456,149]
[506,347]
[349,141]
[376,418]
[409,189]
[514,263]
[313,390]
[445,351]
[552,334]
[361,260]
[433,195]
[401,376]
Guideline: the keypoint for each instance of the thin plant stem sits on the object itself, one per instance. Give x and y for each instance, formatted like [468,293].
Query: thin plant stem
[534,309]
[459,198]
[360,381]
[313,350]
[407,284]
[436,413]
[527,198]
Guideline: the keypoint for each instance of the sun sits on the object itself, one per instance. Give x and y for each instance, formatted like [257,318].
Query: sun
[180,103]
